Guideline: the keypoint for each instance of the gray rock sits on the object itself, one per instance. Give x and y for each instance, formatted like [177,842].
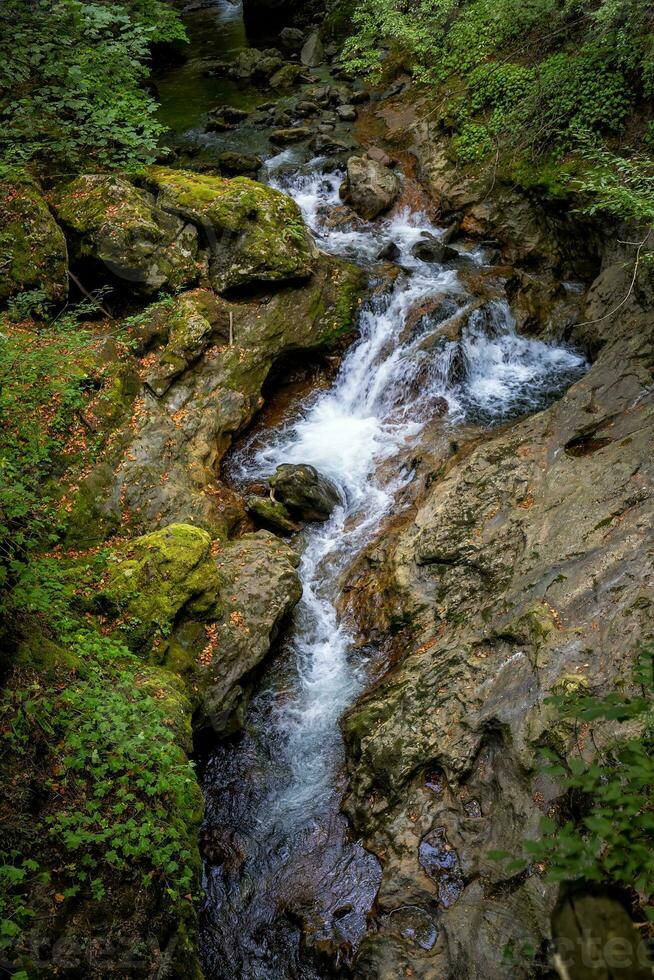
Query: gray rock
[291,40]
[272,514]
[430,249]
[370,188]
[295,134]
[325,144]
[307,108]
[347,113]
[239,164]
[304,491]
[389,253]
[313,53]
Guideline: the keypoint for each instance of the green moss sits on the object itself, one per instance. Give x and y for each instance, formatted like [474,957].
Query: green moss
[159,575]
[33,254]
[255,233]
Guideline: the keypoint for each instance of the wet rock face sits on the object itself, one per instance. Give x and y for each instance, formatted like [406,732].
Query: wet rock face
[33,248]
[305,492]
[524,568]
[370,188]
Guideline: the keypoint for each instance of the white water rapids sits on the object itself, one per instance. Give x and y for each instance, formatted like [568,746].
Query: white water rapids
[459,359]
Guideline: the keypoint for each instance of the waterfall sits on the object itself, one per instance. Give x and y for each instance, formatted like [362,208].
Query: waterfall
[427,350]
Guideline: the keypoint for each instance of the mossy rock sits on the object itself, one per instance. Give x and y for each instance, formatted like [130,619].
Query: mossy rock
[255,234]
[120,225]
[33,253]
[158,576]
[272,514]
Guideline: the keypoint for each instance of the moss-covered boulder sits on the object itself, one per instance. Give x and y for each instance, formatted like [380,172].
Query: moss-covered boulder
[271,514]
[305,491]
[207,611]
[119,225]
[260,587]
[33,254]
[158,576]
[255,234]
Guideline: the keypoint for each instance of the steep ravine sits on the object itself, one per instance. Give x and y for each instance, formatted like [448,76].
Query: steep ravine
[442,429]
[305,279]
[286,883]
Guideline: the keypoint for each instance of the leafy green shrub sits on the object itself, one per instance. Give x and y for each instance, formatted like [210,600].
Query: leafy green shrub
[603,828]
[71,78]
[533,73]
[472,143]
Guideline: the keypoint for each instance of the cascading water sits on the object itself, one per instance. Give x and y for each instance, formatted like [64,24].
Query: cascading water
[427,349]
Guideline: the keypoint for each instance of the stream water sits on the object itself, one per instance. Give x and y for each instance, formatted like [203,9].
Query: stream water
[288,892]
[289,882]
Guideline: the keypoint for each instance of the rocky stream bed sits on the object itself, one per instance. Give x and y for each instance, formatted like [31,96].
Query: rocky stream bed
[383,457]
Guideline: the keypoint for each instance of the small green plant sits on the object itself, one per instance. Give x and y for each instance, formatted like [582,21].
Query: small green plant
[603,828]
[31,304]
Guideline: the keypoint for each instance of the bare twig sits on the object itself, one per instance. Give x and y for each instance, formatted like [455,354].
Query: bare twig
[84,290]
[606,316]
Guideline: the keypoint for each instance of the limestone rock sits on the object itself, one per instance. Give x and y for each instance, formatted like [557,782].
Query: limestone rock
[292,134]
[272,514]
[313,53]
[33,254]
[259,588]
[286,77]
[198,393]
[523,570]
[255,234]
[122,227]
[429,249]
[209,612]
[370,188]
[291,40]
[160,575]
[239,164]
[304,491]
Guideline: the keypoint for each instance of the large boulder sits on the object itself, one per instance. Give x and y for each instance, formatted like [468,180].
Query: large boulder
[369,187]
[304,491]
[313,52]
[208,611]
[33,254]
[119,225]
[254,234]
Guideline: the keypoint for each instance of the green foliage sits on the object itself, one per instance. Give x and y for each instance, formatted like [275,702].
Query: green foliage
[604,825]
[17,873]
[533,74]
[616,185]
[71,77]
[42,391]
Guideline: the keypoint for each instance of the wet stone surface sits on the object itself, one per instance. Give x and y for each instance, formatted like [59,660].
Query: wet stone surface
[441,862]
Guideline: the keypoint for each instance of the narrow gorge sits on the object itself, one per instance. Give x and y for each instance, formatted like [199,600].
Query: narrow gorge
[328,498]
